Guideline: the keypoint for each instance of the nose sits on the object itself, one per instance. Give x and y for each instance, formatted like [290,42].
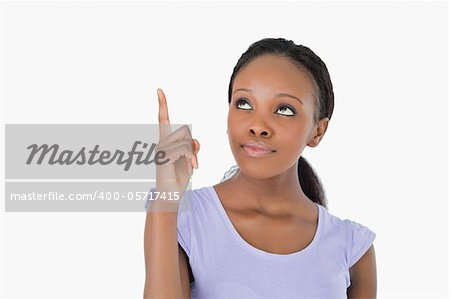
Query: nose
[259,129]
[259,132]
[259,125]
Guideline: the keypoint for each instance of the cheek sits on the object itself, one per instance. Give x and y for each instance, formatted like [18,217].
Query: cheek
[231,130]
[234,125]
[230,119]
[295,139]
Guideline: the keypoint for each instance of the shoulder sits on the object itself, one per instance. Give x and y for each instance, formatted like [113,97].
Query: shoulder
[188,221]
[197,196]
[355,237]
[197,203]
[346,226]
[333,224]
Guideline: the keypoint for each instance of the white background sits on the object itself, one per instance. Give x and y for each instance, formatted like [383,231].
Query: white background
[383,161]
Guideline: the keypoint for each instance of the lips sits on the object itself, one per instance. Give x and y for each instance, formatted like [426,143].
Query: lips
[257,146]
[256,149]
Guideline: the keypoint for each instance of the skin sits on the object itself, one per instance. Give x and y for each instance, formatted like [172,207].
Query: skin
[270,184]
[271,201]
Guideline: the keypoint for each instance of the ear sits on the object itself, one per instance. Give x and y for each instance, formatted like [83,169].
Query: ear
[318,132]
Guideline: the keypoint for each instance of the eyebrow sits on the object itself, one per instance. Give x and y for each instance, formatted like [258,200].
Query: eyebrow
[277,95]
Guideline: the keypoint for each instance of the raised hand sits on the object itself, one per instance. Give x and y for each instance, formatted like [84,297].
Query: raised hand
[173,176]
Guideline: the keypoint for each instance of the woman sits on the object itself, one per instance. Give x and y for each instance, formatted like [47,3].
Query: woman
[264,231]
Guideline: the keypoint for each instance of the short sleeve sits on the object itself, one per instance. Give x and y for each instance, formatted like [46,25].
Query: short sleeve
[359,240]
[183,231]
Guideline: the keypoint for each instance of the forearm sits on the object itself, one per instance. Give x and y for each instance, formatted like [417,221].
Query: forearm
[161,256]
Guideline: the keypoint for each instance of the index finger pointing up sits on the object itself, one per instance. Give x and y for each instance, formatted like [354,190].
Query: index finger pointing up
[163,116]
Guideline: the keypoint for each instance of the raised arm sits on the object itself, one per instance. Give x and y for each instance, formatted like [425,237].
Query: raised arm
[165,265]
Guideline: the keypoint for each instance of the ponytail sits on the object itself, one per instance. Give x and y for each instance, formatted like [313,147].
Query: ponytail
[310,182]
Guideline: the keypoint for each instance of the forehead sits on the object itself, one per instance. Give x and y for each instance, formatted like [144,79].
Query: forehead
[274,73]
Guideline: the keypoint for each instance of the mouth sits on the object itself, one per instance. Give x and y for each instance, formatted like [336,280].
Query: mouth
[256,151]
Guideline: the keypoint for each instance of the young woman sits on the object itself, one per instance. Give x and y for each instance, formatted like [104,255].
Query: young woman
[264,231]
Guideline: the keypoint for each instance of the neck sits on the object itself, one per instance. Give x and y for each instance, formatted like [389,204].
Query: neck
[269,194]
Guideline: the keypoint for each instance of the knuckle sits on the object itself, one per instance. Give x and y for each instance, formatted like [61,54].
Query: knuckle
[186,129]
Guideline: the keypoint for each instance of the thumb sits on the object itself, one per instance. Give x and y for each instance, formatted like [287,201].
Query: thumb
[195,146]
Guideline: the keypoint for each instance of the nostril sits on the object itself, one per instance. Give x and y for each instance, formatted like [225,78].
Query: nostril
[264,133]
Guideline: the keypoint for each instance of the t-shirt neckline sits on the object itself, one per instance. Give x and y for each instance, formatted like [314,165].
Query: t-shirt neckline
[261,252]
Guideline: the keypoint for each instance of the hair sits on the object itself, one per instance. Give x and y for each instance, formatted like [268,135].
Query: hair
[316,69]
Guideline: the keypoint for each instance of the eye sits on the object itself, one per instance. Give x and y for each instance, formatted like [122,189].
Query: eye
[286,108]
[240,101]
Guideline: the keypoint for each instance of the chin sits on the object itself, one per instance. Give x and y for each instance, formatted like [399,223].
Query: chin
[256,168]
[258,173]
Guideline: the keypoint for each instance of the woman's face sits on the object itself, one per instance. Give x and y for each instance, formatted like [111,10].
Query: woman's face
[272,102]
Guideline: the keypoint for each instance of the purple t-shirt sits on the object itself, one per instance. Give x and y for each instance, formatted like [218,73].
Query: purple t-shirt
[224,265]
